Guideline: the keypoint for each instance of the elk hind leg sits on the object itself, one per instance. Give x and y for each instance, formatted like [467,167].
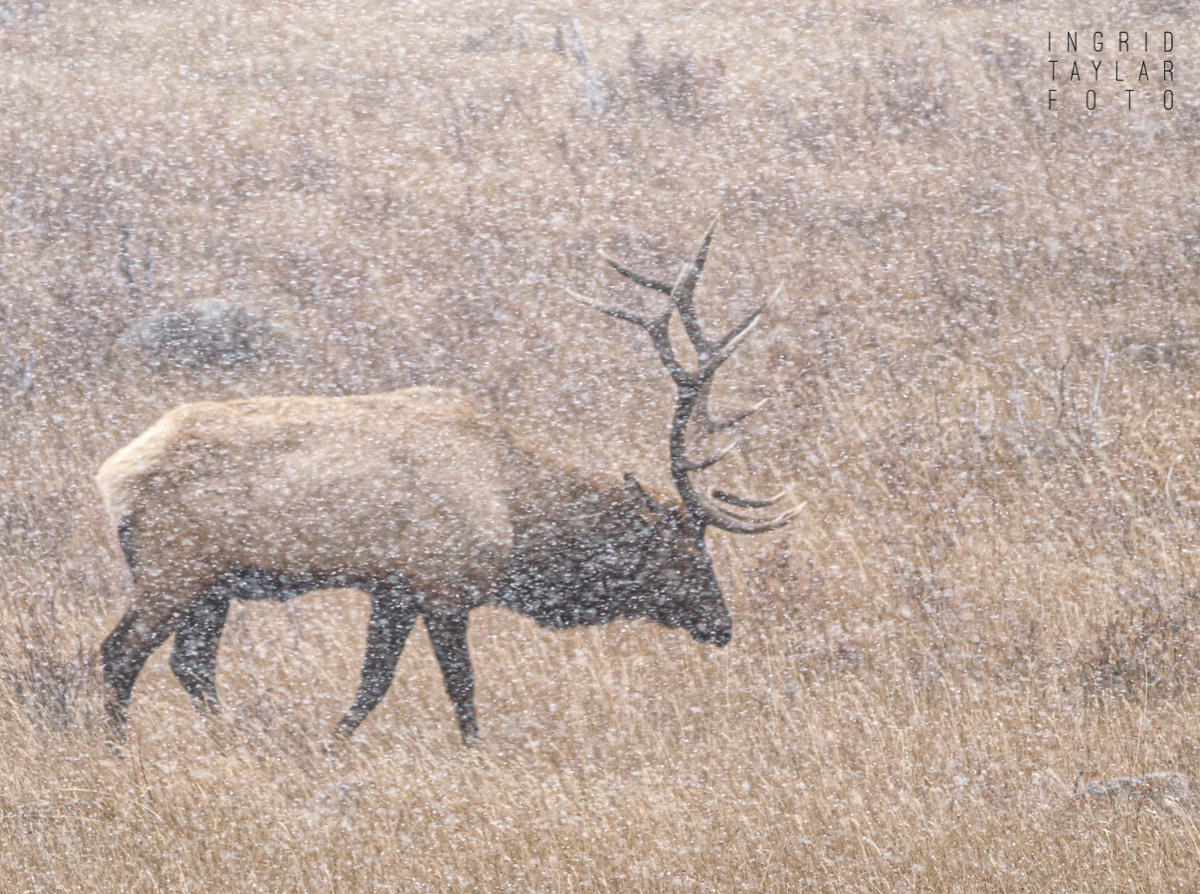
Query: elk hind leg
[448,632]
[393,613]
[142,629]
[194,655]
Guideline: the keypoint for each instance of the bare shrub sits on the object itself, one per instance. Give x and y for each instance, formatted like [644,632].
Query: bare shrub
[674,82]
[1173,343]
[1145,652]
[16,375]
[904,96]
[56,688]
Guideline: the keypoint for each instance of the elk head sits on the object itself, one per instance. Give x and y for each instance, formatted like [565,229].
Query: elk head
[678,582]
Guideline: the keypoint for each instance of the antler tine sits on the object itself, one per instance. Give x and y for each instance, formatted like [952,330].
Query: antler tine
[729,344]
[701,465]
[696,505]
[744,503]
[736,334]
[618,312]
[780,520]
[636,277]
[711,427]
[658,328]
[724,349]
[684,298]
[736,524]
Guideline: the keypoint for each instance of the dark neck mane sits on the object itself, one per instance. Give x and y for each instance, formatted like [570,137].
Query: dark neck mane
[576,550]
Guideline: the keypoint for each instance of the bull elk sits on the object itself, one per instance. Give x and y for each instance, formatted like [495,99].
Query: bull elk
[424,503]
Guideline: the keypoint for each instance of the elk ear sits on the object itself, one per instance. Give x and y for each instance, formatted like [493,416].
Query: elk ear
[642,499]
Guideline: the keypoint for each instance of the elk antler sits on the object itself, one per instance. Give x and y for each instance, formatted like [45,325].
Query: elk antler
[692,389]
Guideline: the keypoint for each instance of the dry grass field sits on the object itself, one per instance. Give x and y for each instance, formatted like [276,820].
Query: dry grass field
[985,365]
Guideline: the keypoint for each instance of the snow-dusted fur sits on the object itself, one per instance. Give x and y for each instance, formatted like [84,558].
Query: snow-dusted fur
[292,475]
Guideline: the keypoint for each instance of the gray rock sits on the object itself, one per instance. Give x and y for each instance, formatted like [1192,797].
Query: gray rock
[210,332]
[1159,789]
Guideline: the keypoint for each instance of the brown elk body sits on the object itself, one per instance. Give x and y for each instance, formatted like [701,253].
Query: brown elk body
[420,500]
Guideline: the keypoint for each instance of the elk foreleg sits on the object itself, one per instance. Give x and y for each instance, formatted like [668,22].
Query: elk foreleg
[448,633]
[194,656]
[393,614]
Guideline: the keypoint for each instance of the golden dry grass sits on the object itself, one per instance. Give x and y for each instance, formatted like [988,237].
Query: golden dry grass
[985,362]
